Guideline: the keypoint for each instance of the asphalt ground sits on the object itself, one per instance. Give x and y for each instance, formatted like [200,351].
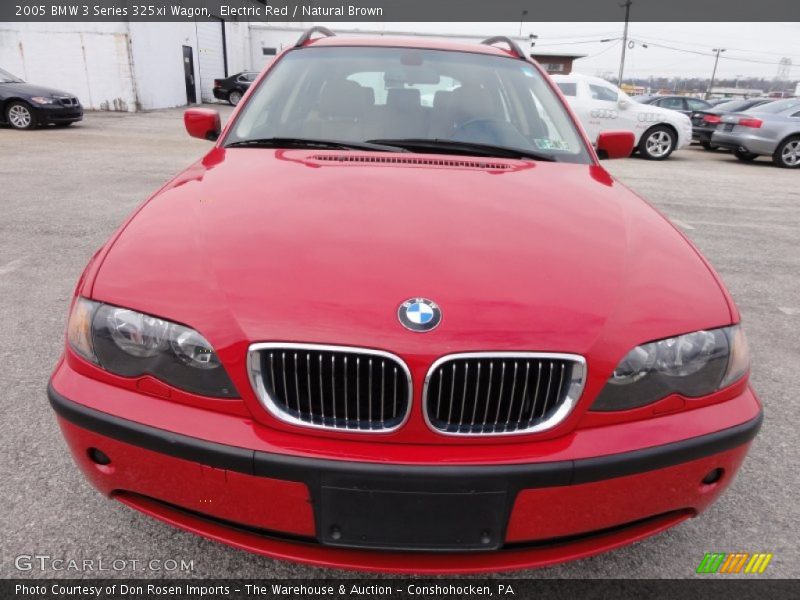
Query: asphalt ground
[63,192]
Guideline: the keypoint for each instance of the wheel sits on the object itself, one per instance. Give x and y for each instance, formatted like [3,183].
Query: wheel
[787,155]
[234,97]
[20,116]
[708,146]
[744,155]
[657,143]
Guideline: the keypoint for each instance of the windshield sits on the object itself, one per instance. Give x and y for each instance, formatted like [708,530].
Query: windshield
[6,77]
[733,105]
[349,94]
[778,106]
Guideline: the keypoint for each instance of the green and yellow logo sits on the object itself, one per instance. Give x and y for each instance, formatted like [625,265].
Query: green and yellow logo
[738,562]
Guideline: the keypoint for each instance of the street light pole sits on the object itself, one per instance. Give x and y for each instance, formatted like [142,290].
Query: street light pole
[521,19]
[627,6]
[714,72]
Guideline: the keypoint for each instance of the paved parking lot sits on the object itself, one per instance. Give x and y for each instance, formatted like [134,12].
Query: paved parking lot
[62,192]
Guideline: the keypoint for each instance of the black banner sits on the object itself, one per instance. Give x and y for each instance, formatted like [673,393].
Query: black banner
[716,587]
[399,10]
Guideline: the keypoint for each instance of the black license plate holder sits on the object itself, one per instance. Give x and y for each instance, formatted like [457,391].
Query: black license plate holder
[389,519]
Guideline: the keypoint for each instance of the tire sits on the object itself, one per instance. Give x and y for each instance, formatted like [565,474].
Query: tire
[745,156]
[708,146]
[787,155]
[20,115]
[657,143]
[234,97]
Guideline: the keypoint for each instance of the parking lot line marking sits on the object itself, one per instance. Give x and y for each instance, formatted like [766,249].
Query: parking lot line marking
[682,224]
[789,311]
[10,267]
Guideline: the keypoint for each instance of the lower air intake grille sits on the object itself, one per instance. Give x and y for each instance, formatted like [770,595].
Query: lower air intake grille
[332,387]
[502,393]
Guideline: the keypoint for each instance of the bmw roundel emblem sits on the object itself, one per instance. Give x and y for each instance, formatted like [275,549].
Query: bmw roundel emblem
[419,314]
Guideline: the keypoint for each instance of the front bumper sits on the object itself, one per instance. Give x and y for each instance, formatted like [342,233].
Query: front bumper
[296,507]
[54,114]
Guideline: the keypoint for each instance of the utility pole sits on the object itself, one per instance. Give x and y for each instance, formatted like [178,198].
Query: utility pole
[627,6]
[714,72]
[521,20]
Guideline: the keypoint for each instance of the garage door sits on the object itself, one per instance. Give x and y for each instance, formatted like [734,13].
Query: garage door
[211,56]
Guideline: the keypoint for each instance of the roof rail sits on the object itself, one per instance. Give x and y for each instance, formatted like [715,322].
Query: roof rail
[307,35]
[512,45]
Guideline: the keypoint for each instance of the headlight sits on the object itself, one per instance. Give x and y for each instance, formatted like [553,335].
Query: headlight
[131,344]
[693,365]
[42,100]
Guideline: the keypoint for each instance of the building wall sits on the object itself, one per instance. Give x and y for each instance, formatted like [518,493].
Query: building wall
[114,66]
[157,53]
[89,60]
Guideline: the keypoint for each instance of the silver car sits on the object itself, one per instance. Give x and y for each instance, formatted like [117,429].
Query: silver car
[770,129]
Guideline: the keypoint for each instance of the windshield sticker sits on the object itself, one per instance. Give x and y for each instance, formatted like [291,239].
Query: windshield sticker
[548,144]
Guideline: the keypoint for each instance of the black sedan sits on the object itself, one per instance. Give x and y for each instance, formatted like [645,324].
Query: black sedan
[704,122]
[231,89]
[682,104]
[25,106]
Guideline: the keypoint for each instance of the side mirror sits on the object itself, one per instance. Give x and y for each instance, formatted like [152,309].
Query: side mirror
[615,144]
[623,103]
[202,123]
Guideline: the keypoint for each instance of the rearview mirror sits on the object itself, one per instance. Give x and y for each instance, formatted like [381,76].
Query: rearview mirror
[615,144]
[202,123]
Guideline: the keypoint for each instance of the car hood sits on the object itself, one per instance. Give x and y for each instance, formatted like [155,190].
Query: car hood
[323,247]
[29,89]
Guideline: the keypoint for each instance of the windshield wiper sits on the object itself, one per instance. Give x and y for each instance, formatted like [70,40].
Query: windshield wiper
[289,142]
[466,148]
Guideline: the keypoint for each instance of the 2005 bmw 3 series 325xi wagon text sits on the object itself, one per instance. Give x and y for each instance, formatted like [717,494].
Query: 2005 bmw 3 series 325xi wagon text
[399,318]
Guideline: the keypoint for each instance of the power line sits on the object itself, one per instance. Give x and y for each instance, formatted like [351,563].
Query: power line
[781,54]
[710,55]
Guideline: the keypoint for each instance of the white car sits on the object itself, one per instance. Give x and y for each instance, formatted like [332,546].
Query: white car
[602,106]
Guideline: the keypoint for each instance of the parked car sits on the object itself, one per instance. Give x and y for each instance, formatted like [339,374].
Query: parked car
[403,337]
[25,106]
[718,101]
[682,104]
[601,106]
[704,122]
[231,89]
[770,129]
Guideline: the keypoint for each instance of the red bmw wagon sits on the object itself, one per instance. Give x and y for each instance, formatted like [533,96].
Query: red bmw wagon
[399,318]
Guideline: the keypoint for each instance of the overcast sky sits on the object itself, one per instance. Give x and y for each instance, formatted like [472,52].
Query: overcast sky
[753,49]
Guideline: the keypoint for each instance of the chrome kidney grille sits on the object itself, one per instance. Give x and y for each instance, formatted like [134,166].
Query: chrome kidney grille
[331,387]
[502,393]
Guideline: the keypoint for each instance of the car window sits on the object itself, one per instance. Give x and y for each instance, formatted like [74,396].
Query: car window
[671,103]
[249,76]
[696,104]
[601,92]
[778,106]
[376,81]
[568,88]
[732,105]
[346,94]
